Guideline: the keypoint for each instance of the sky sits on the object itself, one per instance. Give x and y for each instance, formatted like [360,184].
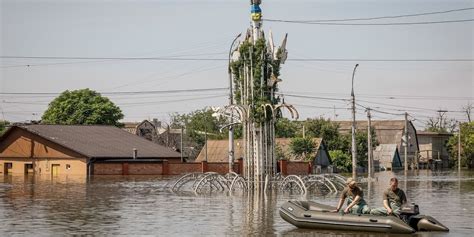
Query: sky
[104,32]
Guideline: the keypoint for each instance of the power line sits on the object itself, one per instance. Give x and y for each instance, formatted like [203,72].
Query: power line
[387,17]
[225,59]
[374,24]
[310,97]
[122,92]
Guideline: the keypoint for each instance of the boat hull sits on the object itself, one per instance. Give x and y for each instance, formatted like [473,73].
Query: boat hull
[318,216]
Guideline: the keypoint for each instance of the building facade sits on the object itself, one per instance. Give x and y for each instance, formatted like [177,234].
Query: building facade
[74,149]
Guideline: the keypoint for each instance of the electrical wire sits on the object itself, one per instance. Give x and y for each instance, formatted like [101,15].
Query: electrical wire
[372,24]
[389,17]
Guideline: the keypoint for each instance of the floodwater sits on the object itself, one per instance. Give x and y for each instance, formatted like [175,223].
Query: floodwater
[143,205]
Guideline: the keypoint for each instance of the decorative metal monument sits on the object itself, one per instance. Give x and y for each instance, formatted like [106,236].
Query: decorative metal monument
[255,71]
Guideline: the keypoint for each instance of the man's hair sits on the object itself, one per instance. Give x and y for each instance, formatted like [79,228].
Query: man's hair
[393,180]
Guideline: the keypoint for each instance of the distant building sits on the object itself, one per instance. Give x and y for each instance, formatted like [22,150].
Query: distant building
[218,151]
[389,132]
[76,149]
[165,136]
[433,149]
[387,157]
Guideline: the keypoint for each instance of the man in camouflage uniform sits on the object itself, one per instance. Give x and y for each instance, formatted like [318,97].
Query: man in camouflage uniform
[393,199]
[355,199]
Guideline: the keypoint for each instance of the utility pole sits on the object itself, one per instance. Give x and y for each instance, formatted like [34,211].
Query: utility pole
[369,146]
[354,147]
[459,148]
[304,135]
[405,143]
[181,143]
[231,102]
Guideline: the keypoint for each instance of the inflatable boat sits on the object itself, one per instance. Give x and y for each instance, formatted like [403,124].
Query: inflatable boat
[307,214]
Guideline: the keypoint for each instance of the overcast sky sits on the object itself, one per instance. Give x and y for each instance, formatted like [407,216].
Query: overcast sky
[205,30]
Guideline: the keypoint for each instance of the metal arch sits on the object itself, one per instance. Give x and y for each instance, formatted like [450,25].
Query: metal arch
[240,180]
[265,106]
[294,113]
[315,182]
[330,182]
[241,110]
[295,179]
[183,180]
[230,176]
[312,179]
[214,179]
[338,179]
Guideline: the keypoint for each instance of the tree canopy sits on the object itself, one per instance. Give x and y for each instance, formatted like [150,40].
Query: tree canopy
[83,106]
[467,144]
[3,125]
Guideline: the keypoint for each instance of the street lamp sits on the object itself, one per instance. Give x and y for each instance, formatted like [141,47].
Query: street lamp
[231,102]
[354,147]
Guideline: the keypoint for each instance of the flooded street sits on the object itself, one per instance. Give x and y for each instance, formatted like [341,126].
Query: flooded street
[143,205]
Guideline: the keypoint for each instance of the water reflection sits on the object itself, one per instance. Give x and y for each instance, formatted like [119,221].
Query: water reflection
[143,205]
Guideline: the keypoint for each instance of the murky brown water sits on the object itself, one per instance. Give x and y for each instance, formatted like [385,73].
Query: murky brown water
[143,205]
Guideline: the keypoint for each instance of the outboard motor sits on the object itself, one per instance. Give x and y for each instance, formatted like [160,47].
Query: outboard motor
[411,215]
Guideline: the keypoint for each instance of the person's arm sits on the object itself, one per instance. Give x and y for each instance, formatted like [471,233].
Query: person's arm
[385,204]
[339,205]
[354,202]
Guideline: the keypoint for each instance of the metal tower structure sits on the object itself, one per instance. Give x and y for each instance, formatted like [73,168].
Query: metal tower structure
[255,70]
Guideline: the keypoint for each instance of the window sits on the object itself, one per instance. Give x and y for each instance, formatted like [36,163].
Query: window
[68,166]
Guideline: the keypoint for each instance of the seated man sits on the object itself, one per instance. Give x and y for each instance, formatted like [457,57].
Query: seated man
[355,199]
[393,199]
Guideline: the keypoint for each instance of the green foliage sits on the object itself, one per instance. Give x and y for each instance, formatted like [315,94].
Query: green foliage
[467,145]
[279,153]
[198,123]
[302,147]
[286,128]
[3,125]
[341,160]
[327,130]
[263,67]
[82,107]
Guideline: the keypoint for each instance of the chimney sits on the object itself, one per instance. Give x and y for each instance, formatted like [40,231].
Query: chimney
[135,153]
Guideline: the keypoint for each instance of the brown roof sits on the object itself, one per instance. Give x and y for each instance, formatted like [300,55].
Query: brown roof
[427,133]
[96,141]
[387,131]
[377,124]
[218,150]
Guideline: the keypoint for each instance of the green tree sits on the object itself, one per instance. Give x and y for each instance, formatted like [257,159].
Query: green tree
[325,129]
[3,126]
[198,123]
[83,106]
[286,128]
[362,148]
[467,145]
[341,160]
[302,147]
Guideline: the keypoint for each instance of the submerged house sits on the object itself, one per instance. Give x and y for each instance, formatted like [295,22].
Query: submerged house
[389,132]
[218,151]
[387,157]
[78,150]
[433,148]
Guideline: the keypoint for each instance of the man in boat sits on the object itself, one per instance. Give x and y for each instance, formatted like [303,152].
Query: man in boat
[393,199]
[355,199]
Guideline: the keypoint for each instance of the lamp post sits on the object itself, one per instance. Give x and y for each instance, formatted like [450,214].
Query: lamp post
[354,148]
[231,102]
